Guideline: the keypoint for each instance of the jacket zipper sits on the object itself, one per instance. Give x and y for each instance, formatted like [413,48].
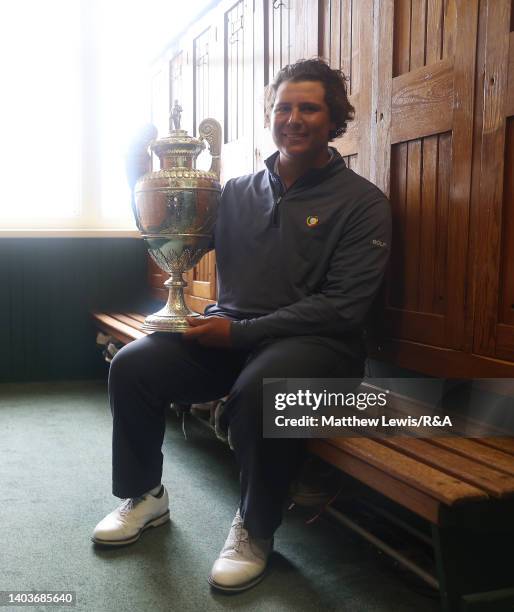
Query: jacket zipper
[275,212]
[274,216]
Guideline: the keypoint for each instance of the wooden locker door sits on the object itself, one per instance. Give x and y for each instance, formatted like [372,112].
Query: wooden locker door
[203,78]
[347,44]
[292,27]
[238,148]
[494,202]
[421,156]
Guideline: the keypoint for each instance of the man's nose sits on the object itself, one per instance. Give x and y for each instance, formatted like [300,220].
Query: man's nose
[294,116]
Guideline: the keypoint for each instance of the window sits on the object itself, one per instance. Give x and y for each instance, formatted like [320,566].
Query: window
[177,79]
[75,89]
[235,72]
[40,113]
[201,78]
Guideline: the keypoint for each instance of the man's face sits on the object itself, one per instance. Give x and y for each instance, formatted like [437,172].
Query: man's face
[300,120]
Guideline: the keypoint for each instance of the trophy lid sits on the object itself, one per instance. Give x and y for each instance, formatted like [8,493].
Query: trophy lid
[178,144]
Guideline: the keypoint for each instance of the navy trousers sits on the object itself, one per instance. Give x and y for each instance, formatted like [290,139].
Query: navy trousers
[150,373]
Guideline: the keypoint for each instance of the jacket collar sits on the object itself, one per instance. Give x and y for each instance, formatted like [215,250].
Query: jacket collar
[313,175]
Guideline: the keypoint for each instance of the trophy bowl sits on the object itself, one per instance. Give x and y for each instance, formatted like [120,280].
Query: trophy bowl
[175,209]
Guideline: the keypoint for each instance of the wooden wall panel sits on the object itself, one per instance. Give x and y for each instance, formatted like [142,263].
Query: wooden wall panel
[339,34]
[449,27]
[505,327]
[347,44]
[292,32]
[506,309]
[419,199]
[429,88]
[401,46]
[360,11]
[199,57]
[509,110]
[236,67]
[398,198]
[424,32]
[177,79]
[188,74]
[490,193]
[380,137]
[432,98]
[443,203]
[50,286]
[238,153]
[202,77]
[465,46]
[410,18]
[427,297]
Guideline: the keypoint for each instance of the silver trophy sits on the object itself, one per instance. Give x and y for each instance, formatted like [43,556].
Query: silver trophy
[175,210]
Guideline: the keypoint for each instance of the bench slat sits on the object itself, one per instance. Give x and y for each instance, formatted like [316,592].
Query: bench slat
[128,320]
[416,501]
[494,482]
[431,481]
[116,328]
[138,317]
[478,452]
[504,444]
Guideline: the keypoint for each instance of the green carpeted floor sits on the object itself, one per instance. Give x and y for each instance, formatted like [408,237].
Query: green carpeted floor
[55,460]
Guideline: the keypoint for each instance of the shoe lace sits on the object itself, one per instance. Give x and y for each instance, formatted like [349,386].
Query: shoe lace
[129,504]
[238,536]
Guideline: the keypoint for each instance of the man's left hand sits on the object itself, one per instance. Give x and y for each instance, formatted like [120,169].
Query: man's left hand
[209,331]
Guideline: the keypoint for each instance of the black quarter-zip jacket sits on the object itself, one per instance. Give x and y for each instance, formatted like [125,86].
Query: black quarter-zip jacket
[306,261]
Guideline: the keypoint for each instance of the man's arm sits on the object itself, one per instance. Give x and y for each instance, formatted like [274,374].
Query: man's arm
[354,277]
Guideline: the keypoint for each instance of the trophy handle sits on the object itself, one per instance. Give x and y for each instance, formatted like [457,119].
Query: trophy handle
[210,130]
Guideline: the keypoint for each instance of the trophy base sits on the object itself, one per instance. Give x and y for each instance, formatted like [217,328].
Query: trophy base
[169,324]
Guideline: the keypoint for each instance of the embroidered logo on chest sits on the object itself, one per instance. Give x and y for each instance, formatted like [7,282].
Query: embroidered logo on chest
[312,221]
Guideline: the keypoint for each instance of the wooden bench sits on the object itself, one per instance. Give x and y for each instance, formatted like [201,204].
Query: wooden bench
[462,487]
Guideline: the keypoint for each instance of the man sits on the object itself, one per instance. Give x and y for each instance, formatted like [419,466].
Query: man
[301,249]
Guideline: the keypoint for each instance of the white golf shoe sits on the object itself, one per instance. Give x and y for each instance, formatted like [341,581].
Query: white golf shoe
[242,561]
[126,524]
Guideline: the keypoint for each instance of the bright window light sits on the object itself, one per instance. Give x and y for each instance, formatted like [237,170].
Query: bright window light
[76,89]
[40,112]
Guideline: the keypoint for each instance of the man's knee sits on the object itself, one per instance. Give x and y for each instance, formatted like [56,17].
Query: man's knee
[122,368]
[145,358]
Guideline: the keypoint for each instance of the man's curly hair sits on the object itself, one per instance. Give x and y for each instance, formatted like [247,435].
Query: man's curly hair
[334,82]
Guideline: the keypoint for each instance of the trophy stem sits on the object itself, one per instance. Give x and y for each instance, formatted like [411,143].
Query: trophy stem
[171,318]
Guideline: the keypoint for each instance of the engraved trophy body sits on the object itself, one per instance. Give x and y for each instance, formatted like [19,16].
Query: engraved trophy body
[175,210]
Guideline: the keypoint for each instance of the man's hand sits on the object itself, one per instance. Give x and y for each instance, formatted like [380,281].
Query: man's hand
[209,331]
